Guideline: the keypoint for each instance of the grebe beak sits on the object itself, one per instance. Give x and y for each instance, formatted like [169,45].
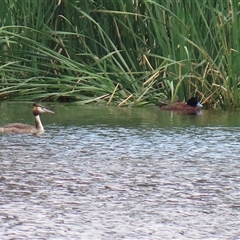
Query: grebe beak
[47,110]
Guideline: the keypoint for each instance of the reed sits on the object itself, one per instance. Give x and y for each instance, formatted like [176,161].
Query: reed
[127,53]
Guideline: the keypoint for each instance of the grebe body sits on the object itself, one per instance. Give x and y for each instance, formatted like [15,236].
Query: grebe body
[25,128]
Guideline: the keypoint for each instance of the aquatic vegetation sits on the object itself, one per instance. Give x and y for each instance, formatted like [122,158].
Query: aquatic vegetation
[127,53]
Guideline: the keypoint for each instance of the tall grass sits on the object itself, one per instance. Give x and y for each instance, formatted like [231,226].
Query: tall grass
[128,53]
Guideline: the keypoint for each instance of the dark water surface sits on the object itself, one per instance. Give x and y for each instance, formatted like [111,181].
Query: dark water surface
[118,173]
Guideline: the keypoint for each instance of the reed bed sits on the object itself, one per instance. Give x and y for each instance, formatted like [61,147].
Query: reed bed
[126,53]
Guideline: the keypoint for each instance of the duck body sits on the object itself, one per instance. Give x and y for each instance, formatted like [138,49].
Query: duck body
[192,106]
[14,128]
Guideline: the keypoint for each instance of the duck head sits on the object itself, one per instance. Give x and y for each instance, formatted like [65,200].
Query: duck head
[193,102]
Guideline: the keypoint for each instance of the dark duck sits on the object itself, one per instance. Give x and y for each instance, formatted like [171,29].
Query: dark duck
[192,106]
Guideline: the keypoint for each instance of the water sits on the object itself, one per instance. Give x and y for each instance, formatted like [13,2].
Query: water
[112,173]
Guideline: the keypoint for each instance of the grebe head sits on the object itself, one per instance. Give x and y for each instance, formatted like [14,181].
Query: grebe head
[38,109]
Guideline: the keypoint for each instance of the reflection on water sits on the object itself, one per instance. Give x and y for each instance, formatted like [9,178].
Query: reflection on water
[138,175]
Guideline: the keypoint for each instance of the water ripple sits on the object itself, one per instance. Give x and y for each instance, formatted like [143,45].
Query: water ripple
[121,183]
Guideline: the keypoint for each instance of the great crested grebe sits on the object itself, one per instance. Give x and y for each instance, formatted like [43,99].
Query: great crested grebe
[25,128]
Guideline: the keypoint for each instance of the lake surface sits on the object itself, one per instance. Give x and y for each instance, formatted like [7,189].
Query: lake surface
[118,173]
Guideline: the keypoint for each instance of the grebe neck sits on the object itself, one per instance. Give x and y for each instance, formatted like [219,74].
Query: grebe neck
[38,124]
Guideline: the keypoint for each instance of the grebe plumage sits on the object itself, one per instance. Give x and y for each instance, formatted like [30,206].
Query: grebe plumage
[25,128]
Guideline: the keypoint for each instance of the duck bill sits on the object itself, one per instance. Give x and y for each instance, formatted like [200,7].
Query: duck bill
[199,104]
[47,110]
